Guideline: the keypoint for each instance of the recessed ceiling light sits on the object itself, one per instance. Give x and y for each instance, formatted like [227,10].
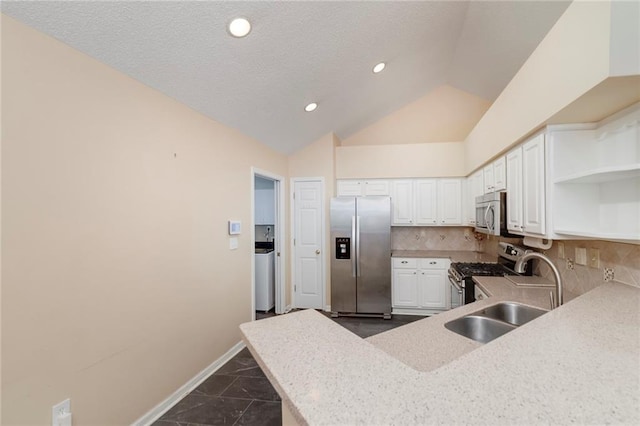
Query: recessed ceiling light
[239,27]
[379,67]
[311,107]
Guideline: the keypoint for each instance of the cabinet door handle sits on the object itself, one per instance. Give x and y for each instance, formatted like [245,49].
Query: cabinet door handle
[414,273]
[404,261]
[432,263]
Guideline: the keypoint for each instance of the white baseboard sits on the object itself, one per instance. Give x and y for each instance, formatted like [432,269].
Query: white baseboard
[287,309]
[327,308]
[156,412]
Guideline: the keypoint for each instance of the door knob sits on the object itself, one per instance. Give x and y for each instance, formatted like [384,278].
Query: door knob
[317,251]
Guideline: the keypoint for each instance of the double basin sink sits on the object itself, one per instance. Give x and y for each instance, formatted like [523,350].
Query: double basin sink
[493,321]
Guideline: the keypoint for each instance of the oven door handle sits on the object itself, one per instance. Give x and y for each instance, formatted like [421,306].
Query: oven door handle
[454,283]
[459,289]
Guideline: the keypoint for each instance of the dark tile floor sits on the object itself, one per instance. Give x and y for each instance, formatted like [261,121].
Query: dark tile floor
[240,394]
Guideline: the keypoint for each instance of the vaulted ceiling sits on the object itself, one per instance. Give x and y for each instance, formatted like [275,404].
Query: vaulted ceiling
[301,52]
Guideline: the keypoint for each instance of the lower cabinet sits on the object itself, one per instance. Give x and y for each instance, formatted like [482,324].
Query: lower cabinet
[420,285]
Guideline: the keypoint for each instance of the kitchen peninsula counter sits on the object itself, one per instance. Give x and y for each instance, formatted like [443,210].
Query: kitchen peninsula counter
[454,255]
[575,364]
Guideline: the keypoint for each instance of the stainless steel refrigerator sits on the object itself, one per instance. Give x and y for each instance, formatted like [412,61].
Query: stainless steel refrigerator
[361,256]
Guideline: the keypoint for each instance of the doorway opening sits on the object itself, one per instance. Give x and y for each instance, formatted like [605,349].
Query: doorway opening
[267,230]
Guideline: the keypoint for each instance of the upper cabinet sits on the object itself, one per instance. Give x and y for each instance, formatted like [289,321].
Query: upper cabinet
[264,207]
[595,179]
[495,176]
[474,188]
[533,186]
[578,180]
[427,202]
[362,188]
[526,193]
[402,202]
[515,221]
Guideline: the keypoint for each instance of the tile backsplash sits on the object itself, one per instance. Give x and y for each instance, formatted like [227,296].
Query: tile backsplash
[434,238]
[623,259]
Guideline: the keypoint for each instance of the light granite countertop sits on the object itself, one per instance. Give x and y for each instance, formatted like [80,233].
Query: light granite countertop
[454,255]
[576,364]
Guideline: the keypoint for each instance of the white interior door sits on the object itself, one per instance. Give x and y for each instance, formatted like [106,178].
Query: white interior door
[308,230]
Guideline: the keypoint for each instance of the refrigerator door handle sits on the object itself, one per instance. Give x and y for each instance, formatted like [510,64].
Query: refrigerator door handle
[358,245]
[353,241]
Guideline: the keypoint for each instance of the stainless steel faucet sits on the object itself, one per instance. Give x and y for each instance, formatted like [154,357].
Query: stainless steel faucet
[519,268]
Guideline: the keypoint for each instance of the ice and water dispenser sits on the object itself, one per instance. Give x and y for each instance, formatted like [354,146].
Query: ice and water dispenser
[343,248]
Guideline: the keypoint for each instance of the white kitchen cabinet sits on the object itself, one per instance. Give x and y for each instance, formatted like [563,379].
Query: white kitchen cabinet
[495,176]
[514,190]
[500,174]
[427,202]
[405,288]
[402,202]
[595,179]
[526,194]
[488,178]
[265,207]
[432,289]
[475,188]
[449,202]
[420,285]
[533,186]
[362,188]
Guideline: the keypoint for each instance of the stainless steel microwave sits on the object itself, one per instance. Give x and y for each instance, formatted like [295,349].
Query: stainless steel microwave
[491,214]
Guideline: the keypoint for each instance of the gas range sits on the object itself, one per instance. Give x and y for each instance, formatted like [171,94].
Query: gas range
[461,273]
[481,269]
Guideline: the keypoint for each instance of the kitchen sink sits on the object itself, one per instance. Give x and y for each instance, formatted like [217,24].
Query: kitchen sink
[492,322]
[512,313]
[480,329]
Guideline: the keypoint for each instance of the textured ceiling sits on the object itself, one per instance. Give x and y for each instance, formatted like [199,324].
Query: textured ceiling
[299,52]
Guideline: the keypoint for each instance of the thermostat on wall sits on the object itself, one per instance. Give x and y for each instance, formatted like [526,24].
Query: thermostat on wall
[234,227]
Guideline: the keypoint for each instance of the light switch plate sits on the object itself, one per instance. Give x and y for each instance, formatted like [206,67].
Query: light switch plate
[581,256]
[594,258]
[61,413]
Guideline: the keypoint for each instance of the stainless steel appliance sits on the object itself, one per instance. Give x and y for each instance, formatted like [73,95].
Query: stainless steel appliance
[361,256]
[491,214]
[461,273]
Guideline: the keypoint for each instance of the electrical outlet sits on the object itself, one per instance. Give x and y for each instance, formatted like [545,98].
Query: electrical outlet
[570,264]
[61,413]
[560,250]
[581,256]
[594,258]
[608,274]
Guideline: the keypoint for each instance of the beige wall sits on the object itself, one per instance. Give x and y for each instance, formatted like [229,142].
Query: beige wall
[570,60]
[412,160]
[317,160]
[445,114]
[117,282]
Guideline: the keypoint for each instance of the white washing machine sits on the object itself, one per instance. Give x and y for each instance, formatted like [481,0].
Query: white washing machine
[265,277]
